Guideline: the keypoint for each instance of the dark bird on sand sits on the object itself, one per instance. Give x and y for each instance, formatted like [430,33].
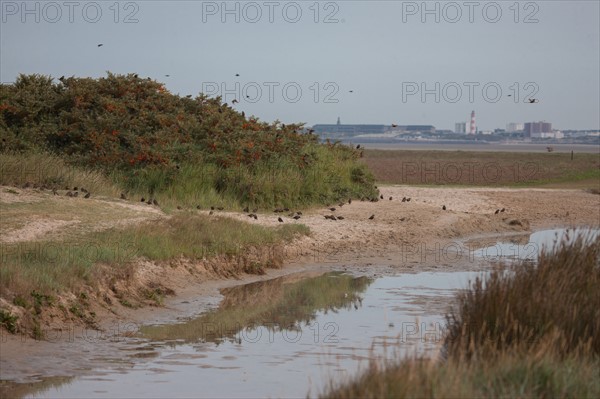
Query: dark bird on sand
[123,196]
[298,213]
[143,199]
[497,211]
[212,208]
[443,207]
[280,220]
[255,217]
[69,194]
[502,210]
[76,194]
[403,199]
[178,207]
[155,202]
[254,210]
[297,217]
[87,195]
[381,196]
[349,201]
[74,188]
[210,213]
[340,218]
[198,207]
[246,210]
[390,198]
[371,217]
[332,209]
[54,191]
[149,202]
[220,208]
[408,199]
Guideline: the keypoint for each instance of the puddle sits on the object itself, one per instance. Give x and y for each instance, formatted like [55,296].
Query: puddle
[281,338]
[528,247]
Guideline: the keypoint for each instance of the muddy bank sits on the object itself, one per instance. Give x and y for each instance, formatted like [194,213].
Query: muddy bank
[403,236]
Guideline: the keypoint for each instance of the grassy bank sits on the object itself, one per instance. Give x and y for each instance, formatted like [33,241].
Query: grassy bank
[66,274]
[58,265]
[469,168]
[530,332]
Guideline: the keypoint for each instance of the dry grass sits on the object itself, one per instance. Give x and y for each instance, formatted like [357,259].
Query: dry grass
[468,168]
[509,376]
[49,171]
[554,304]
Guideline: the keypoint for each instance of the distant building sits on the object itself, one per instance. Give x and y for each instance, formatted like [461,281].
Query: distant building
[418,128]
[514,127]
[460,127]
[353,130]
[533,129]
[555,134]
[350,130]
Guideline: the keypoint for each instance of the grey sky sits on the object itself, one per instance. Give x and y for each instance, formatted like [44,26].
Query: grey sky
[379,49]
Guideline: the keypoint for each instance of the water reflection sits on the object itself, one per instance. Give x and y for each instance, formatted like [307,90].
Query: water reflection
[9,389]
[318,329]
[279,304]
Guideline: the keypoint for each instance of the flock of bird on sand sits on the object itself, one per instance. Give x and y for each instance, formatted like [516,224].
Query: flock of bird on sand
[252,213]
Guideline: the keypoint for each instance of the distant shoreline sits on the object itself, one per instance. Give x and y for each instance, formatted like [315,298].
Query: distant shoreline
[470,146]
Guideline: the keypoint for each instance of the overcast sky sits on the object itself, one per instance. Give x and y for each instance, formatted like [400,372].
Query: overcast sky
[298,61]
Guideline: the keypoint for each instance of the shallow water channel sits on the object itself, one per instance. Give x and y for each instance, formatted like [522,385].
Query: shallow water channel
[286,337]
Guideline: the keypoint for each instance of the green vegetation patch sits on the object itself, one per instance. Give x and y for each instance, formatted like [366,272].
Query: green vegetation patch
[151,143]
